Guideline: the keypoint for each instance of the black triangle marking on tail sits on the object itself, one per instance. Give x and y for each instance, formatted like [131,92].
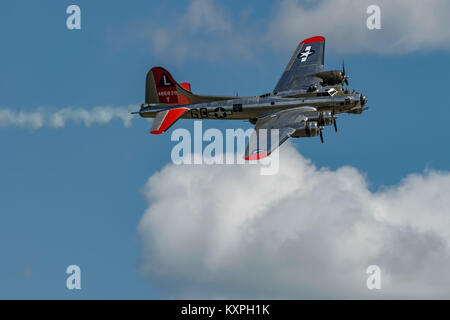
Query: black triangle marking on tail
[165,81]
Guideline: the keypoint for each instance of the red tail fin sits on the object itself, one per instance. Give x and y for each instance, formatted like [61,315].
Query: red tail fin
[162,88]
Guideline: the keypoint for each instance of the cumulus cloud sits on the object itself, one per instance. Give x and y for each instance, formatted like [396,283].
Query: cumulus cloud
[216,231]
[209,30]
[44,117]
[406,26]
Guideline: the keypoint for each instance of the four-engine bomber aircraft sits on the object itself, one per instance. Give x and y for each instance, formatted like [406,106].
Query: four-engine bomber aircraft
[305,99]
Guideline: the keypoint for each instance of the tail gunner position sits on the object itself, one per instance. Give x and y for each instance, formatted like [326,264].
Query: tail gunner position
[305,99]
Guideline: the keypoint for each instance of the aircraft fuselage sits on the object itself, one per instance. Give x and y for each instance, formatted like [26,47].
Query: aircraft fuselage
[254,107]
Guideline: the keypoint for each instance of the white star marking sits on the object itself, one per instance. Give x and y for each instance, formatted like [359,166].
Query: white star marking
[305,54]
[220,113]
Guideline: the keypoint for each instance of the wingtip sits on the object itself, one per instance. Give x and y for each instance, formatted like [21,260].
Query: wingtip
[313,39]
[257,156]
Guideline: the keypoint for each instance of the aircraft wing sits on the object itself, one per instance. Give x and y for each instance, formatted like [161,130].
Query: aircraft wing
[307,60]
[287,122]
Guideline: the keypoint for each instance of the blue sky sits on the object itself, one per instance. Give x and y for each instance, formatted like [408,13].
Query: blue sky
[74,195]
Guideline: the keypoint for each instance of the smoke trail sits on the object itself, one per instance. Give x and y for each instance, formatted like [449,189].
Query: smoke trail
[44,117]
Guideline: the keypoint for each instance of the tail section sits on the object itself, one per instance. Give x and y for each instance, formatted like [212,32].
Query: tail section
[160,87]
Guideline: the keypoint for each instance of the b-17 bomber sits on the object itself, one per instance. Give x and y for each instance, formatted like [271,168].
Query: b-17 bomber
[304,101]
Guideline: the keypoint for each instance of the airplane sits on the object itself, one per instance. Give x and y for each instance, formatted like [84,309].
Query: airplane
[304,101]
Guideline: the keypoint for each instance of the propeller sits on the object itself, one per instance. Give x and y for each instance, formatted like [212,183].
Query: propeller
[334,122]
[344,76]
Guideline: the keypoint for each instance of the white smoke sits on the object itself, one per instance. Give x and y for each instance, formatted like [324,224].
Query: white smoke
[44,117]
[216,231]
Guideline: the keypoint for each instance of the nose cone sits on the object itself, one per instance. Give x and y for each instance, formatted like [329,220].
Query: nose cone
[363,100]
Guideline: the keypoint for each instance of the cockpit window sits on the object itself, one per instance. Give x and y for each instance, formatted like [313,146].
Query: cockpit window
[332,91]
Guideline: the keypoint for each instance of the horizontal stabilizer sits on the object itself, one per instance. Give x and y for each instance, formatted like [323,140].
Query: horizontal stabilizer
[186,86]
[165,119]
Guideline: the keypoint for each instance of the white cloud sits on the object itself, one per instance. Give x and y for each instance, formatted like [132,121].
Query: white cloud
[205,29]
[44,117]
[406,26]
[209,30]
[228,232]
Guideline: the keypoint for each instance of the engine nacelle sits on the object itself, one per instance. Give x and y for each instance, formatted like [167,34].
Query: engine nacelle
[322,118]
[331,78]
[310,129]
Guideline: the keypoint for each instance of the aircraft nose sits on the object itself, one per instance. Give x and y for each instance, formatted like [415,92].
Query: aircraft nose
[363,100]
